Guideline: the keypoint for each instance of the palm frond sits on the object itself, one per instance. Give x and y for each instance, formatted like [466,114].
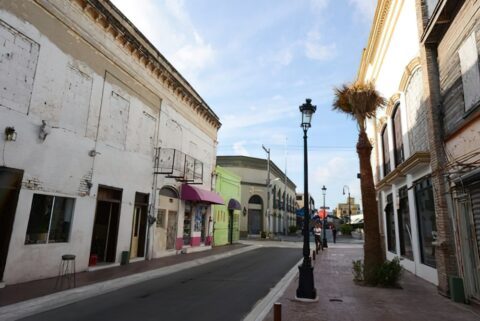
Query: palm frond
[358,100]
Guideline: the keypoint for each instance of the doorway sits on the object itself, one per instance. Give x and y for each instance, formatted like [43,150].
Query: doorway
[171,230]
[255,210]
[105,227]
[139,224]
[169,210]
[10,184]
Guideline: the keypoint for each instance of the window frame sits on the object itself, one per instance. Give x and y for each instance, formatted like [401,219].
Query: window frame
[398,152]
[51,215]
[385,151]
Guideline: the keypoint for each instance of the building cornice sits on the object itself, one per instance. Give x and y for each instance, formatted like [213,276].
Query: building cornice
[253,163]
[378,25]
[419,159]
[109,18]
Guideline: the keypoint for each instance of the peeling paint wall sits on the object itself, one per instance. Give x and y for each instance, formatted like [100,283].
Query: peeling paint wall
[86,114]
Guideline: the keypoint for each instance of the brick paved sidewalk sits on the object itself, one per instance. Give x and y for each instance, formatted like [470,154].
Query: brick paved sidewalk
[341,300]
[29,290]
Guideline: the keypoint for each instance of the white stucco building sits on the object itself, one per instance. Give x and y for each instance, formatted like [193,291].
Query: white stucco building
[101,139]
[398,133]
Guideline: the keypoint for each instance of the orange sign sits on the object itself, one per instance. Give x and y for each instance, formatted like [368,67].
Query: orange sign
[322,213]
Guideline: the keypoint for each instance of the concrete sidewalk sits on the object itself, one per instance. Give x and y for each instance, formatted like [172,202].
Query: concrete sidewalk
[341,300]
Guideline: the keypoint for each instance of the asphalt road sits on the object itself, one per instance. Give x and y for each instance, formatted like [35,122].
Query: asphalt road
[223,290]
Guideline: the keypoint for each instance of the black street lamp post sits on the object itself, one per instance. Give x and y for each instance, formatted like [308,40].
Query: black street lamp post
[348,202]
[324,242]
[306,289]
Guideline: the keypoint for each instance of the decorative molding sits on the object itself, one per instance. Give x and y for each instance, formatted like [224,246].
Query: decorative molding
[391,104]
[381,122]
[378,26]
[409,69]
[125,34]
[417,160]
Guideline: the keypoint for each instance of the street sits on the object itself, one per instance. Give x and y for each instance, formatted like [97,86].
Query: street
[223,290]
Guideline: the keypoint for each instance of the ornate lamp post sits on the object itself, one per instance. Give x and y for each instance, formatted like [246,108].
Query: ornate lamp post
[306,289]
[324,242]
[348,201]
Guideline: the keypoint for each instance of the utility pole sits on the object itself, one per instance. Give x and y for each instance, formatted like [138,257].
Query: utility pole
[348,202]
[267,150]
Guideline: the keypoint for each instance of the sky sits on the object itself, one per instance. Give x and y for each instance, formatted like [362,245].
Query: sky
[255,62]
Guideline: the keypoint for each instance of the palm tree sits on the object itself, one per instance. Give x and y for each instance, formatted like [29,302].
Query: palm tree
[360,101]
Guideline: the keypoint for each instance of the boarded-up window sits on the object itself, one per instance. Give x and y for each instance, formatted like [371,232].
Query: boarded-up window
[18,61]
[114,119]
[397,136]
[386,153]
[76,101]
[142,129]
[470,74]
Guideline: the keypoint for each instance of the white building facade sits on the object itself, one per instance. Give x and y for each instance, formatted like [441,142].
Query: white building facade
[101,139]
[398,133]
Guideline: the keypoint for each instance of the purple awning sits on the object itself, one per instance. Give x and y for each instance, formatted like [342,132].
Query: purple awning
[190,193]
[233,204]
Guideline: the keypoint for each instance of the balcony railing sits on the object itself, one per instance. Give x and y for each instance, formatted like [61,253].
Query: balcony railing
[178,165]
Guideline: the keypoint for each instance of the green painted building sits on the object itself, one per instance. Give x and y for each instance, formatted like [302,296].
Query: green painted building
[226,217]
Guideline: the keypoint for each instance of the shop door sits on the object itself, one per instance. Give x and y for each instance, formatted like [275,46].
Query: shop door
[139,225]
[171,230]
[105,227]
[135,231]
[10,183]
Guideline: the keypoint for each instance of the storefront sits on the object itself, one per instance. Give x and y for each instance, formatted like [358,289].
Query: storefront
[197,221]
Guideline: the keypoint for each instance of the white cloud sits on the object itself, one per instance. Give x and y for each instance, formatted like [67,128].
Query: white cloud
[239,148]
[193,57]
[318,4]
[283,57]
[365,9]
[168,27]
[316,50]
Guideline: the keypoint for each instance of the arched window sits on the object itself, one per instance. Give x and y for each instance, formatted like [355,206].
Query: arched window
[279,198]
[255,199]
[274,197]
[385,151]
[168,192]
[397,136]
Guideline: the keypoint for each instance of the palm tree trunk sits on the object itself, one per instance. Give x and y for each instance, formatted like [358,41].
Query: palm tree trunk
[373,256]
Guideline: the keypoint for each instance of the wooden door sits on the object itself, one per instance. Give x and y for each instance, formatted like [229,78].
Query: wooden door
[135,231]
[171,229]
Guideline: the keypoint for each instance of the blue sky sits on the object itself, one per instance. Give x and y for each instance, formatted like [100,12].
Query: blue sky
[255,61]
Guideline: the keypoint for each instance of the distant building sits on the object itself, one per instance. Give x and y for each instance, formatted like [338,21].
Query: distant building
[300,200]
[226,217]
[342,211]
[255,195]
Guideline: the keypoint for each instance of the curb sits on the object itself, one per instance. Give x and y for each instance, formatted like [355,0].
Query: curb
[261,309]
[33,306]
